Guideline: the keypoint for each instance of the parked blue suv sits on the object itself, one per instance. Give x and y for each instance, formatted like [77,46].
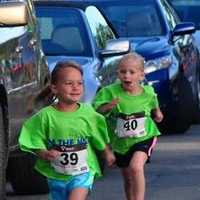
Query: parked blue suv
[172,57]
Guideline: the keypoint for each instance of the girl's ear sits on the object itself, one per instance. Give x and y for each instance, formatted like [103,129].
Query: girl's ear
[142,75]
[53,89]
[117,71]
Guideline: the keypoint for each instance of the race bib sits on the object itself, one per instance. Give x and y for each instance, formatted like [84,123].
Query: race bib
[72,161]
[131,126]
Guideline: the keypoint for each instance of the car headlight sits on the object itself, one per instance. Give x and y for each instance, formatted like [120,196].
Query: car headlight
[156,64]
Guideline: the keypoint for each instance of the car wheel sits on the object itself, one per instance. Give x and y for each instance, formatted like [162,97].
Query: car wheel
[179,115]
[197,103]
[184,106]
[3,157]
[24,178]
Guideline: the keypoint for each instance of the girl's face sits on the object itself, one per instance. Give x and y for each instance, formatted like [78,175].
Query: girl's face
[130,73]
[69,85]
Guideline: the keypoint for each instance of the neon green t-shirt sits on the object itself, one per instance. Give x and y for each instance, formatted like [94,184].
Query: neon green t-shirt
[50,128]
[132,111]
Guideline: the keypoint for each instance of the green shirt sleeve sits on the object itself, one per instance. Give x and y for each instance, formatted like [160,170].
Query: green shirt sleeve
[154,100]
[102,97]
[99,133]
[155,103]
[32,135]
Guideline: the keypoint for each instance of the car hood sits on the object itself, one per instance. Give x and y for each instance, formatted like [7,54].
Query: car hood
[150,48]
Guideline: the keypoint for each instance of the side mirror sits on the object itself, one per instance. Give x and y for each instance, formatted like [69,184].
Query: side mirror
[115,47]
[184,28]
[13,14]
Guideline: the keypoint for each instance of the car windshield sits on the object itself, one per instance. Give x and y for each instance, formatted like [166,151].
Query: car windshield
[62,31]
[133,19]
[188,10]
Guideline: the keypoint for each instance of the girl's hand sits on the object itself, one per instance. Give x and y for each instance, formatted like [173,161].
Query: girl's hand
[109,156]
[110,159]
[108,106]
[158,116]
[48,155]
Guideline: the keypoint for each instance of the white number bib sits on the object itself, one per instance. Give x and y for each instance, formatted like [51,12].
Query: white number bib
[72,161]
[131,126]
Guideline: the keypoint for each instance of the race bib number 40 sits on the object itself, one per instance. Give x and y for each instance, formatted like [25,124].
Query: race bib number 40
[72,161]
[131,126]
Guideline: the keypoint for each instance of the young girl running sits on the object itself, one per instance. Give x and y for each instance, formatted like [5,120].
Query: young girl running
[64,136]
[128,106]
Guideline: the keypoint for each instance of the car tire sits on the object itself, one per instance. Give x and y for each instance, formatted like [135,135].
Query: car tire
[25,180]
[184,106]
[197,103]
[180,113]
[3,157]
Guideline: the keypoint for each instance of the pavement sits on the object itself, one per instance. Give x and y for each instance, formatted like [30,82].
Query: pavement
[173,174]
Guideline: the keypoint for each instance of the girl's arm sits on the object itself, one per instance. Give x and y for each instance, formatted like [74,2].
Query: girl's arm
[48,155]
[105,108]
[109,156]
[158,115]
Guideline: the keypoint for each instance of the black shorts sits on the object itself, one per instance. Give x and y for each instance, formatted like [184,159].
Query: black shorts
[123,160]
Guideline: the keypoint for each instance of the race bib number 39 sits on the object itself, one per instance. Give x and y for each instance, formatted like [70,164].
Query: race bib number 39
[131,126]
[72,161]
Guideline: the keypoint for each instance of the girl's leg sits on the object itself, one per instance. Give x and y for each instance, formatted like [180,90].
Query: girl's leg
[78,194]
[136,168]
[80,186]
[57,189]
[128,183]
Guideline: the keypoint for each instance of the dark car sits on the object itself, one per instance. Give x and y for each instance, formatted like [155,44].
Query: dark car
[69,33]
[23,74]
[188,11]
[172,57]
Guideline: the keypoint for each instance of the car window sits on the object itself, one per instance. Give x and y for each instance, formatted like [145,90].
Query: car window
[188,10]
[99,27]
[62,31]
[133,19]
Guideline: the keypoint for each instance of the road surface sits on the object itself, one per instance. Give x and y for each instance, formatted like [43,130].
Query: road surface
[173,174]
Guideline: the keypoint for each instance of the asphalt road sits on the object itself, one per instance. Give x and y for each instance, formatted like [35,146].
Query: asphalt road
[173,174]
